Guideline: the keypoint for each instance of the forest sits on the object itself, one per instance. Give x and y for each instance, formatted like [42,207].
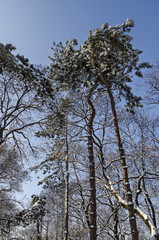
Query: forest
[94,138]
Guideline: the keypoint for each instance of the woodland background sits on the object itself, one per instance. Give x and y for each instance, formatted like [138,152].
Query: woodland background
[85,120]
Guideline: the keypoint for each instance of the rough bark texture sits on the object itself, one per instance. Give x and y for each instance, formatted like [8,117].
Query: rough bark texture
[93,215]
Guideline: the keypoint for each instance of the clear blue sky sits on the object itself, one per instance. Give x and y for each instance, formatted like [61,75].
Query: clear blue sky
[32,25]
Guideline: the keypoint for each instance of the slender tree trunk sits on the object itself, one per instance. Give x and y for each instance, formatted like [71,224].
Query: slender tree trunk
[38,230]
[116,222]
[128,192]
[93,214]
[9,228]
[85,208]
[150,205]
[47,231]
[66,216]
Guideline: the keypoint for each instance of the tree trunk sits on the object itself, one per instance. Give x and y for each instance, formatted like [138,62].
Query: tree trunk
[116,222]
[66,217]
[93,215]
[47,231]
[128,192]
[38,230]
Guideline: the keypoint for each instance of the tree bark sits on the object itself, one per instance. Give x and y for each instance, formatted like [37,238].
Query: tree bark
[93,214]
[66,215]
[128,192]
[47,231]
[144,217]
[116,222]
[38,230]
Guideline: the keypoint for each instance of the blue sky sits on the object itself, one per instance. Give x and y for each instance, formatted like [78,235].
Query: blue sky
[32,25]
